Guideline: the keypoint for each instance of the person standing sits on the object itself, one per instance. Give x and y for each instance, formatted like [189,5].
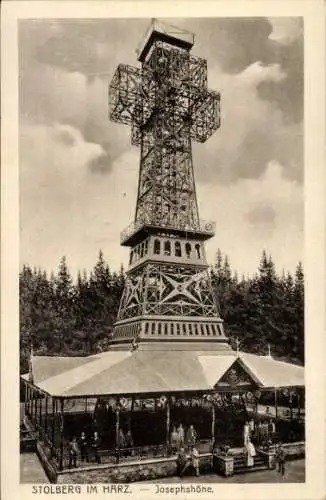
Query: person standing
[129,439]
[83,447]
[122,441]
[191,436]
[251,427]
[73,452]
[195,460]
[181,435]
[181,462]
[174,440]
[280,458]
[268,412]
[271,429]
[129,443]
[260,432]
[264,429]
[96,446]
[245,434]
[251,453]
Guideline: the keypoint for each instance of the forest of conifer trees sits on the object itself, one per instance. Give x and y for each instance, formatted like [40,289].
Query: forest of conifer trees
[61,317]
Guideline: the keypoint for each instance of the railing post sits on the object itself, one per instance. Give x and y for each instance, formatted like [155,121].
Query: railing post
[117,429]
[213,424]
[168,422]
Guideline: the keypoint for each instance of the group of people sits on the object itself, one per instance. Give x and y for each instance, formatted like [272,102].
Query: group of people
[125,441]
[85,448]
[183,441]
[186,462]
[262,432]
[181,438]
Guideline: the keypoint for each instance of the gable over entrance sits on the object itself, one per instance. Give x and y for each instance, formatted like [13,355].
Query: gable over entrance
[237,376]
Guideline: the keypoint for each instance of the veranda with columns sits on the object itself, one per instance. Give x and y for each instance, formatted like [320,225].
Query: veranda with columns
[217,412]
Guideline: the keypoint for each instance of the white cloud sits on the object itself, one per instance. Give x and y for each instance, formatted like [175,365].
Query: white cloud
[258,72]
[66,209]
[243,241]
[286,29]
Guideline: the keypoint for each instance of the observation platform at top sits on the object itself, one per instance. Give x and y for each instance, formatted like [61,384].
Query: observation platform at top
[158,30]
[137,231]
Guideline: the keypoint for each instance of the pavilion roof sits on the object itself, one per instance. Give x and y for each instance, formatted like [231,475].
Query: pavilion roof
[273,373]
[123,372]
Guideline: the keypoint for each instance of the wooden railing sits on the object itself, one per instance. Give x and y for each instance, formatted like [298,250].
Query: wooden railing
[113,456]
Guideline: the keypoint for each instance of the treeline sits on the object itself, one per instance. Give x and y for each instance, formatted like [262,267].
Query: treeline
[263,309]
[60,317]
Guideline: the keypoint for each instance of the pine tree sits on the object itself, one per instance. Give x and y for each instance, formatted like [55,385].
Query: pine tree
[299,310]
[64,318]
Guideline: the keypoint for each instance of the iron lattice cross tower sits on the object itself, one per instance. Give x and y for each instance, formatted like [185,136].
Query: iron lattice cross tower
[168,301]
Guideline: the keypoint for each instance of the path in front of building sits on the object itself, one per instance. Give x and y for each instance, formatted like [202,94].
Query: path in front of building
[294,473]
[31,470]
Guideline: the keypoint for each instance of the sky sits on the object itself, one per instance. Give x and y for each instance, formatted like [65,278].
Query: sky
[79,171]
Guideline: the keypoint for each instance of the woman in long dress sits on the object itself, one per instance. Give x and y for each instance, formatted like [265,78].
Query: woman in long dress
[251,453]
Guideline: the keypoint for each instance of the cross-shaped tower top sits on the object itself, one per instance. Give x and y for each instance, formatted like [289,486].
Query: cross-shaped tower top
[167,104]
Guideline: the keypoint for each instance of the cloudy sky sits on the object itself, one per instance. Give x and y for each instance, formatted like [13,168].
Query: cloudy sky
[78,171]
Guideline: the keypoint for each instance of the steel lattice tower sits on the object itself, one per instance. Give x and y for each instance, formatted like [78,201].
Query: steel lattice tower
[168,301]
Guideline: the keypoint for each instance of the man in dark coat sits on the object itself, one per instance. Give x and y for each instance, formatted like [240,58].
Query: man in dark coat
[95,446]
[280,458]
[83,447]
[182,462]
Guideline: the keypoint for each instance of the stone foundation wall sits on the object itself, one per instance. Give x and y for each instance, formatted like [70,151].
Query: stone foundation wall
[293,450]
[127,473]
[50,468]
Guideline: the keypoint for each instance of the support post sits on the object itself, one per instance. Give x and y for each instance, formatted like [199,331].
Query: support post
[35,407]
[168,422]
[213,425]
[32,405]
[40,409]
[53,421]
[61,433]
[29,401]
[25,397]
[46,415]
[117,429]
